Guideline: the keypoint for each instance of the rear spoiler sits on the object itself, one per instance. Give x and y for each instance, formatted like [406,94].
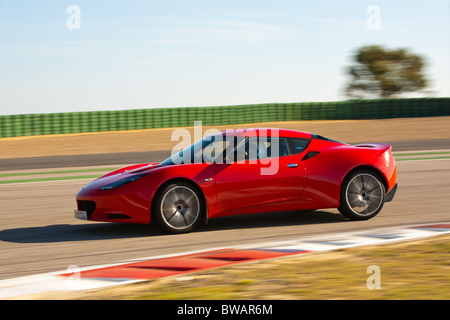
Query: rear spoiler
[376,146]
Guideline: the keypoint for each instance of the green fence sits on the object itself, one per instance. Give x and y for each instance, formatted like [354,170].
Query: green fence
[75,122]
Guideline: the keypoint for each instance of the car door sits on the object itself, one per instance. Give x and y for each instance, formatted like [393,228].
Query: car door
[264,177]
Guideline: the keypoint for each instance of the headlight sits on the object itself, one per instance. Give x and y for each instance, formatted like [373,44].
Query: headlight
[122,182]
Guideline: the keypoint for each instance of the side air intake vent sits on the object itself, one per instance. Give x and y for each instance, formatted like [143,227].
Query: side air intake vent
[310,154]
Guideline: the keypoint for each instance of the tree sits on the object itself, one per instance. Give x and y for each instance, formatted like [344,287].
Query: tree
[384,73]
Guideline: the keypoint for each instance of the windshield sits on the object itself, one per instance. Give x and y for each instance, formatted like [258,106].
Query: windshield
[208,150]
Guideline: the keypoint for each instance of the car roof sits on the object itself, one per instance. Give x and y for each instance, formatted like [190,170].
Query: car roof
[264,132]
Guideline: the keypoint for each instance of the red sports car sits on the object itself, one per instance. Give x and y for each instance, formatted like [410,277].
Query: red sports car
[245,171]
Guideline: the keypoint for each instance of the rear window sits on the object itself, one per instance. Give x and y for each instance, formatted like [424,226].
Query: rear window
[298,144]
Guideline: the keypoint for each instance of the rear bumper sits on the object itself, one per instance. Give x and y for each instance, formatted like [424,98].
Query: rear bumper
[390,195]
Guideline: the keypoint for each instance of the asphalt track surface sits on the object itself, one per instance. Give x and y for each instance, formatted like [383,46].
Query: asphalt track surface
[39,233]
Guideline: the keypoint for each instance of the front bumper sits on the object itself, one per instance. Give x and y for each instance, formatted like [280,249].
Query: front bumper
[390,195]
[108,206]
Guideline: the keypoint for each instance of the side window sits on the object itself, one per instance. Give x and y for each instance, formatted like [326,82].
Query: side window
[261,148]
[269,148]
[283,148]
[298,144]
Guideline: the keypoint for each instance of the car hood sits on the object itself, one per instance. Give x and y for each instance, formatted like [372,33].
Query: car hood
[119,174]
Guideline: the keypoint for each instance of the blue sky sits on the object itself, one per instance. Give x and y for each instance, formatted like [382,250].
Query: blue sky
[145,54]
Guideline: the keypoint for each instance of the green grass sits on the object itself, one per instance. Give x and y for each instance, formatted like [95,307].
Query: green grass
[54,172]
[427,155]
[421,158]
[49,179]
[396,154]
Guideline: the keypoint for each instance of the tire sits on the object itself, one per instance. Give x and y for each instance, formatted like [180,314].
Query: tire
[178,208]
[362,195]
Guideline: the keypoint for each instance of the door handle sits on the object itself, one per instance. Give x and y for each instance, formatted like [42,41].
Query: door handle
[292,165]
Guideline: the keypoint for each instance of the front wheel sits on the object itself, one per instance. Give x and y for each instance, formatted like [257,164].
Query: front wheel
[178,208]
[362,195]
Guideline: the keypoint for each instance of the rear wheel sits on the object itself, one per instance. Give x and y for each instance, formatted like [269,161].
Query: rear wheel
[362,195]
[178,208]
